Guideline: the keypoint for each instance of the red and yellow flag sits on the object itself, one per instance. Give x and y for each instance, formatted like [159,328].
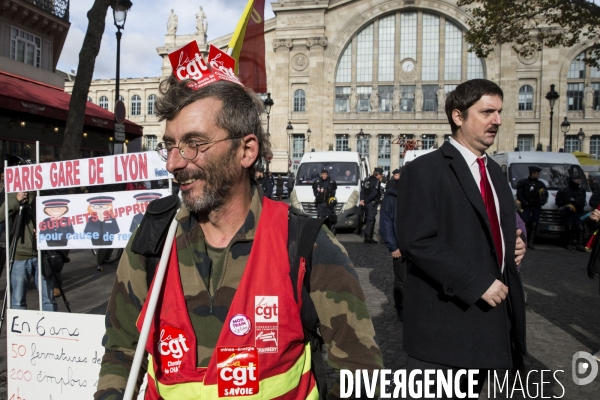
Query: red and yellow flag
[247,46]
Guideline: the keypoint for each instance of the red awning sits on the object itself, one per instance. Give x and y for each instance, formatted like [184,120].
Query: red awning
[25,95]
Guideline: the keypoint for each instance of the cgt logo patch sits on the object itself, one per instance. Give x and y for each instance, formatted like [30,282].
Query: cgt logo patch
[266,318]
[237,369]
[172,346]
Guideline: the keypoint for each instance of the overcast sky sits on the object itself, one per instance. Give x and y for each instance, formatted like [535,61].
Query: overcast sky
[144,31]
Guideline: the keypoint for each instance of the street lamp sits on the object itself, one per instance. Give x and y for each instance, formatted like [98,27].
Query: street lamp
[289,129]
[564,127]
[552,96]
[308,132]
[268,102]
[580,136]
[360,142]
[120,8]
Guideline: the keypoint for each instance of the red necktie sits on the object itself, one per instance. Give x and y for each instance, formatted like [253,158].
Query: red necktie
[490,207]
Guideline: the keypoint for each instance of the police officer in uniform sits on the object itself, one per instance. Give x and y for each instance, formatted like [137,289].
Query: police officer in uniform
[324,189]
[265,182]
[57,226]
[533,194]
[570,202]
[370,195]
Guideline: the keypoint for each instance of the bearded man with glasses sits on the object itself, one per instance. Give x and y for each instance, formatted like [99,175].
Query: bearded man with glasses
[229,269]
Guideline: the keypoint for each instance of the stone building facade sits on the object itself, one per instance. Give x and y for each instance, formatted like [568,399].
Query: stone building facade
[338,68]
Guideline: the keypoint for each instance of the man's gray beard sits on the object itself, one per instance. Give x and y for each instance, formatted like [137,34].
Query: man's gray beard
[212,199]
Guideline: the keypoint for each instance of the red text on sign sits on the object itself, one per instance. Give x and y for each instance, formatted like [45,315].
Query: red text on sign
[23,179]
[131,167]
[65,174]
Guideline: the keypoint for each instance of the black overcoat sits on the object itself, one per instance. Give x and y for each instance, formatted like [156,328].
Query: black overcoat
[443,231]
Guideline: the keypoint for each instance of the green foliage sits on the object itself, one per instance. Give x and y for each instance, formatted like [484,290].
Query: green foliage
[532,24]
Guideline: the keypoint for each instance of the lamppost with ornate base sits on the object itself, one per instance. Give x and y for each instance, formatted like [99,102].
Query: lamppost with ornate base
[552,96]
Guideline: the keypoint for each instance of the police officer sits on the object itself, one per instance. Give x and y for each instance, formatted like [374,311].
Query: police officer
[265,182]
[570,202]
[370,195]
[324,190]
[533,194]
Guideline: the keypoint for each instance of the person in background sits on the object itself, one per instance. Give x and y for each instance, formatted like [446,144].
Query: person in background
[387,231]
[370,195]
[533,194]
[570,201]
[25,265]
[278,188]
[264,181]
[324,188]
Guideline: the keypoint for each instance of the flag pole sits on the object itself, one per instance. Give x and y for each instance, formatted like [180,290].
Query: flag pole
[140,350]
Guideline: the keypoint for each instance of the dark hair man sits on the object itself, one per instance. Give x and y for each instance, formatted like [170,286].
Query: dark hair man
[387,231]
[456,226]
[227,280]
[532,194]
[324,189]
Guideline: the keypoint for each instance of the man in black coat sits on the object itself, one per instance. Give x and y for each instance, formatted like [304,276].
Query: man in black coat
[370,195]
[570,201]
[387,231]
[532,194]
[464,306]
[324,189]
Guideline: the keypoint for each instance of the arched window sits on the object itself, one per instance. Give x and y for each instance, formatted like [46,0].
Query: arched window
[299,101]
[89,99]
[525,98]
[136,105]
[578,77]
[103,102]
[151,101]
[397,52]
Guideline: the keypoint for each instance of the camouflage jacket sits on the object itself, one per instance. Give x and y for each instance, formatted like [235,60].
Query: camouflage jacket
[346,326]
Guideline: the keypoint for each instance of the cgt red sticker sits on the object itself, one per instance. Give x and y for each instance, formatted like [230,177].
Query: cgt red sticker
[172,347]
[237,369]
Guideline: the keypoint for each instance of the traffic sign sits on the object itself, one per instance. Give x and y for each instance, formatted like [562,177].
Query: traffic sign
[119,136]
[120,128]
[120,112]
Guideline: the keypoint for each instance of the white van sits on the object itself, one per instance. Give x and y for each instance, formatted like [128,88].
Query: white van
[557,168]
[411,155]
[347,210]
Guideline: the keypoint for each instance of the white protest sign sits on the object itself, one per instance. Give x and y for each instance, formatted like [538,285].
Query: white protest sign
[84,221]
[53,355]
[121,168]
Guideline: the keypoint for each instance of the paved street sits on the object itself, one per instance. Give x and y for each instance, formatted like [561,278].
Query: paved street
[562,314]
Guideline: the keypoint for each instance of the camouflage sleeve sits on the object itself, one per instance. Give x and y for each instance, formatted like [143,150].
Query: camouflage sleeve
[128,295]
[346,325]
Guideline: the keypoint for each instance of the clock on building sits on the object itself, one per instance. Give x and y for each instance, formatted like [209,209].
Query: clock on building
[408,66]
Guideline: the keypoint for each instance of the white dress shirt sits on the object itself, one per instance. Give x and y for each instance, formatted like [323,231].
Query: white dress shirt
[471,160]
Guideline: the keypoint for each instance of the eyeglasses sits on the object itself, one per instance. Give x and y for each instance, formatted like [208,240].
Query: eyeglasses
[188,148]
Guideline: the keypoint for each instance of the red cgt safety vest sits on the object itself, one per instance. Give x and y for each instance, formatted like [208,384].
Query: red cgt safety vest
[261,351]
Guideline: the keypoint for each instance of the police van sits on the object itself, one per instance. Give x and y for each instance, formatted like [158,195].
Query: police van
[557,169]
[348,169]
